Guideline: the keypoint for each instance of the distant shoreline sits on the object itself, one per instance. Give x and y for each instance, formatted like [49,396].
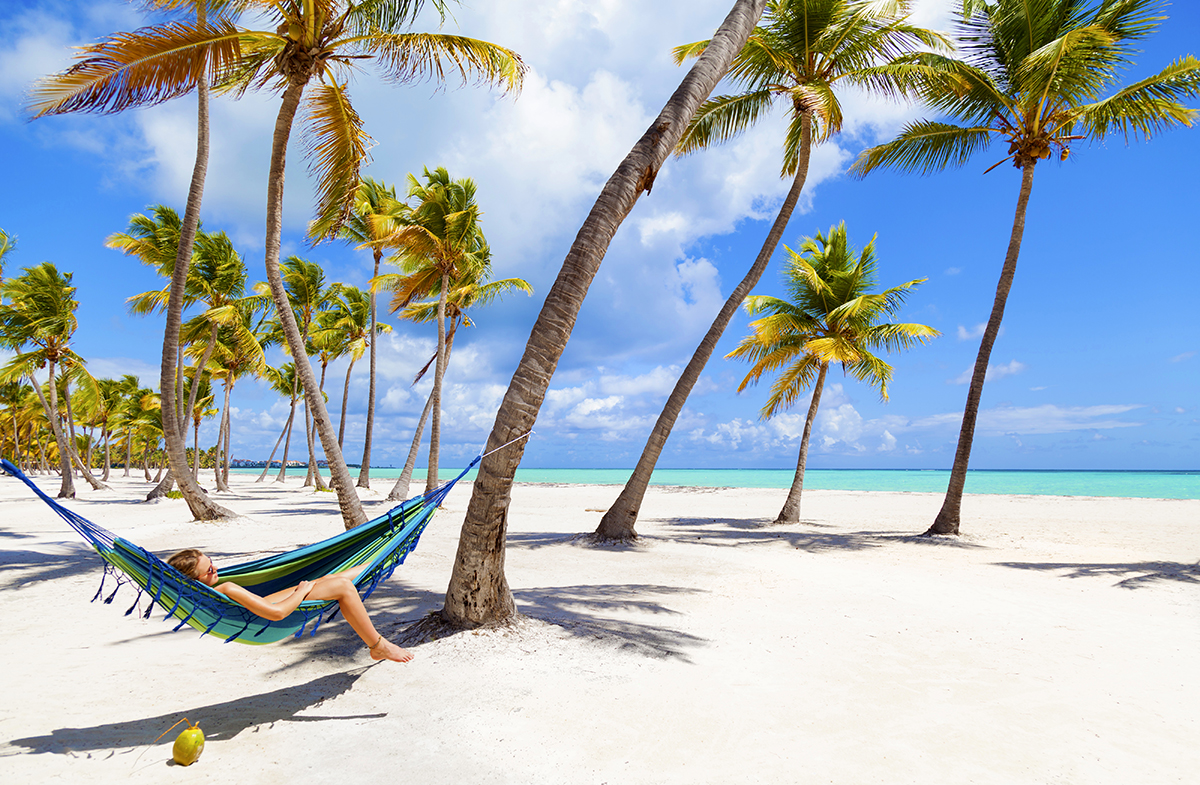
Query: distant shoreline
[1110,483]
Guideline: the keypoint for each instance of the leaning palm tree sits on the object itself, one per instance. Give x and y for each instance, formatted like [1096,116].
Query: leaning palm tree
[463,295]
[283,381]
[832,317]
[303,41]
[372,221]
[440,241]
[239,352]
[802,54]
[349,325]
[1034,75]
[478,592]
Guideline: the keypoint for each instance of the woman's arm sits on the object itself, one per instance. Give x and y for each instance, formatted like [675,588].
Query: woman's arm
[260,607]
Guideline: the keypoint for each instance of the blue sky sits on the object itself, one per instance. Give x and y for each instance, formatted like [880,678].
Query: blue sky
[1098,364]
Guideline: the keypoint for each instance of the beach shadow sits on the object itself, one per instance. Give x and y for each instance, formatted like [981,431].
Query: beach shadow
[1139,573]
[219,721]
[739,532]
[36,566]
[580,610]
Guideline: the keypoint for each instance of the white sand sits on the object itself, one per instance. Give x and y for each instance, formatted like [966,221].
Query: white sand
[1058,641]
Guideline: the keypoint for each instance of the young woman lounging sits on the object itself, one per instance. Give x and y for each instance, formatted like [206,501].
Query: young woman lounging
[337,586]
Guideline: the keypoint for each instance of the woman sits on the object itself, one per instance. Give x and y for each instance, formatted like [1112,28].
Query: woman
[337,586]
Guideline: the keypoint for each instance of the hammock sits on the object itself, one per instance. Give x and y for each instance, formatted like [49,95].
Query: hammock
[381,544]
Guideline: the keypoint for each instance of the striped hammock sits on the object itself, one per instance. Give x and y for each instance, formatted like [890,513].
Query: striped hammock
[381,544]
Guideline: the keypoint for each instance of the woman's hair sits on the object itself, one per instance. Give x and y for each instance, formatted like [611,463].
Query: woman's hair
[186,561]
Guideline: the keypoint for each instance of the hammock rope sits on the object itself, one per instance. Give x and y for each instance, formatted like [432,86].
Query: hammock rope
[381,545]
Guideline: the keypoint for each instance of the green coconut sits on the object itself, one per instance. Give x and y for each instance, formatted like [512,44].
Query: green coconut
[188,746]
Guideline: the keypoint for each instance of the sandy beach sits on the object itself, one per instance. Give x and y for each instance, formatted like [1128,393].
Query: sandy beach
[1055,642]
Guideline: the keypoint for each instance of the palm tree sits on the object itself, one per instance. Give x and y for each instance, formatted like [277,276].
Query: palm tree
[304,285]
[348,325]
[13,395]
[373,219]
[463,295]
[149,66]
[1033,75]
[440,241]
[239,351]
[8,244]
[832,318]
[800,56]
[41,314]
[478,592]
[126,414]
[303,40]
[283,381]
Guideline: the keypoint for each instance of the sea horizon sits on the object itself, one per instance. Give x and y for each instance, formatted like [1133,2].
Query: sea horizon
[1111,483]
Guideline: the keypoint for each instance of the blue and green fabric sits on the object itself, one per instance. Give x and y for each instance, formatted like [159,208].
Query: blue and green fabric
[381,544]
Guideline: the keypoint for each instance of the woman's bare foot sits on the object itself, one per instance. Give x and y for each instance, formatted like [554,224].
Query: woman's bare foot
[386,650]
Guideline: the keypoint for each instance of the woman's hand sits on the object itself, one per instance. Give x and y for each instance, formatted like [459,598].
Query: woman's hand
[303,588]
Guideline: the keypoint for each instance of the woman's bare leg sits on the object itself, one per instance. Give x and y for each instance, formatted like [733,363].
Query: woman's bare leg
[337,587]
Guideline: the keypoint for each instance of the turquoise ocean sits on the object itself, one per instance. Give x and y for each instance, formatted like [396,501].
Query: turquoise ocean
[1130,484]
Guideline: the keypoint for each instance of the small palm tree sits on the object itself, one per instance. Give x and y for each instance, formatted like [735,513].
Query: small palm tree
[1033,75]
[375,217]
[283,381]
[347,326]
[440,241]
[463,295]
[832,317]
[800,57]
[239,351]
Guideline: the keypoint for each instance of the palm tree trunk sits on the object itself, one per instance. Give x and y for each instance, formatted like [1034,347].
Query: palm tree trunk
[791,507]
[947,520]
[435,424]
[345,398]
[314,473]
[287,442]
[222,432]
[67,489]
[351,507]
[618,522]
[107,453]
[282,433]
[228,437]
[128,450]
[203,508]
[84,468]
[399,491]
[478,593]
[364,471]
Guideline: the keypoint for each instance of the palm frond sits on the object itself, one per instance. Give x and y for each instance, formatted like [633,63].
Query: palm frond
[1149,106]
[409,57]
[337,146]
[925,146]
[141,68]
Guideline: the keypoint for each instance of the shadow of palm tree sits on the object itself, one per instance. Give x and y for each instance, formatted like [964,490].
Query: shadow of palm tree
[582,610]
[28,566]
[1139,573]
[736,532]
[219,721]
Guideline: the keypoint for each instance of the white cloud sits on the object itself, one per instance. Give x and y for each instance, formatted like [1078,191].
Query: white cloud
[975,332]
[1181,357]
[994,372]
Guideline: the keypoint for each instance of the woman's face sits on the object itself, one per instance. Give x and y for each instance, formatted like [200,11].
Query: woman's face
[206,571]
